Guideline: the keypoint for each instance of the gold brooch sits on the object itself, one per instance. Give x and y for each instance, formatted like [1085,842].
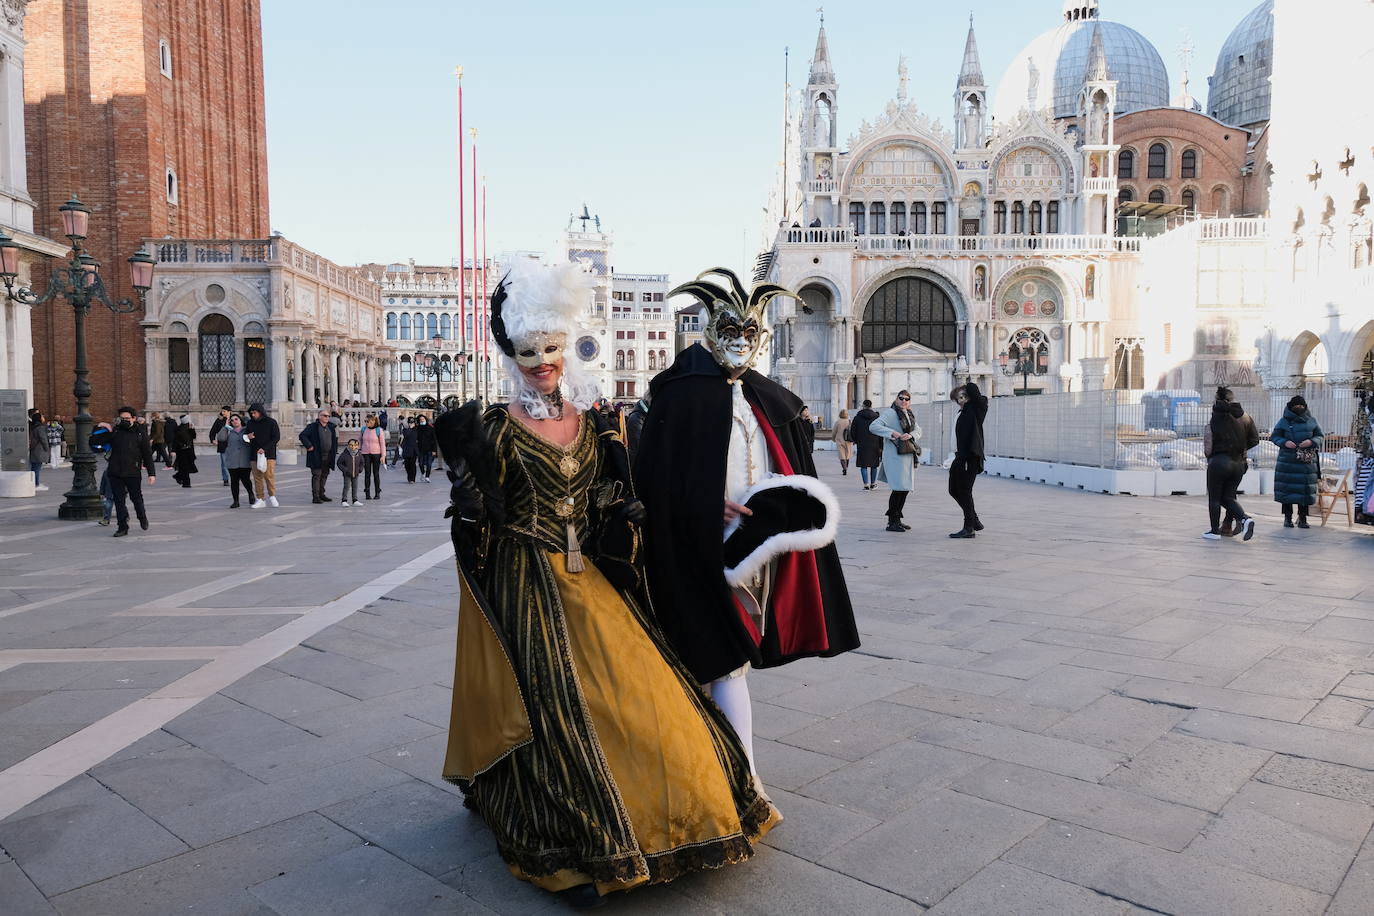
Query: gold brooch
[569,465]
[564,509]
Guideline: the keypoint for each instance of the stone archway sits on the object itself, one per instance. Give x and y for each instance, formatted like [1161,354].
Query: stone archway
[812,348]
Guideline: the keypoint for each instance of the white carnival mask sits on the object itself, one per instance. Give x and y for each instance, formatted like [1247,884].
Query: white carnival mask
[545,348]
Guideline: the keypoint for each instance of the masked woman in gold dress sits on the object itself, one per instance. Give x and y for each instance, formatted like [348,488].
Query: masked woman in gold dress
[576,734]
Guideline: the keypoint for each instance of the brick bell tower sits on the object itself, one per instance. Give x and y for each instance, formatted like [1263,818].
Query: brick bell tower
[150,111]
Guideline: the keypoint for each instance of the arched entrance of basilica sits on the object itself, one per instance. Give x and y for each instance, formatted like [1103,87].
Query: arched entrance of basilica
[813,350]
[910,339]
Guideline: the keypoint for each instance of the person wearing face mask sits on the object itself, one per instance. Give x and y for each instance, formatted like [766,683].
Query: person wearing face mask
[897,428]
[350,464]
[578,736]
[130,454]
[373,448]
[968,454]
[426,447]
[1298,468]
[409,448]
[238,455]
[733,588]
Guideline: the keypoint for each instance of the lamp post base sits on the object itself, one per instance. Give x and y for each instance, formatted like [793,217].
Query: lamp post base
[80,508]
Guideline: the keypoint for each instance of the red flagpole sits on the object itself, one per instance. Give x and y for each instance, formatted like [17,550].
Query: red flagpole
[475,253]
[486,333]
[462,247]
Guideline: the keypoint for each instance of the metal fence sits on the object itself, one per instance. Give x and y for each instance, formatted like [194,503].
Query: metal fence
[1135,430]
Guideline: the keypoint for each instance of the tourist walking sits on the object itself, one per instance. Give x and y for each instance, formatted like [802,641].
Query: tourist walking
[350,464]
[1298,468]
[130,455]
[321,443]
[426,446]
[1229,528]
[588,749]
[408,448]
[185,441]
[844,446]
[373,445]
[215,427]
[99,443]
[868,448]
[1224,446]
[169,437]
[156,429]
[808,430]
[968,454]
[55,433]
[263,435]
[237,456]
[39,449]
[896,428]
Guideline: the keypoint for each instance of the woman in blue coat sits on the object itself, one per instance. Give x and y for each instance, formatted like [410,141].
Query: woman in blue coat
[896,427]
[1298,468]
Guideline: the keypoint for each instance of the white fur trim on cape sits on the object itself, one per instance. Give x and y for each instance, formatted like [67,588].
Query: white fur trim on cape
[788,541]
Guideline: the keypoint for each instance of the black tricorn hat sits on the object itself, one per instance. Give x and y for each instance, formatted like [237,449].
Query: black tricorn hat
[791,513]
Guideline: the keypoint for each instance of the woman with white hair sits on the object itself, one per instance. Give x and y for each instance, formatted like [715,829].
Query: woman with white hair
[577,735]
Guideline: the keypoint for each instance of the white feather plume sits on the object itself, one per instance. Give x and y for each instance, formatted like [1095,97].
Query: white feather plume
[542,299]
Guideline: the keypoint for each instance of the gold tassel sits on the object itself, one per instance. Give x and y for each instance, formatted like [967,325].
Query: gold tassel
[574,550]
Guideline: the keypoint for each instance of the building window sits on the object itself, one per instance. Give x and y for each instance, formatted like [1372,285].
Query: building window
[909,309]
[1129,363]
[1157,196]
[1018,218]
[918,218]
[630,359]
[899,218]
[1189,200]
[1036,226]
[620,359]
[663,359]
[877,216]
[937,219]
[1052,216]
[433,325]
[999,217]
[1159,159]
[406,368]
[653,361]
[164,58]
[446,326]
[172,188]
[1125,195]
[1125,164]
[391,326]
[1188,168]
[405,325]
[856,217]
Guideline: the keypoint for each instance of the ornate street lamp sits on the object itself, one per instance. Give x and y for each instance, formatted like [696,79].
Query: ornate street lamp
[432,361]
[1031,357]
[81,285]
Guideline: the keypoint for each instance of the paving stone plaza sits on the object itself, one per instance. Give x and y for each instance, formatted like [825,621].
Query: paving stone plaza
[1086,710]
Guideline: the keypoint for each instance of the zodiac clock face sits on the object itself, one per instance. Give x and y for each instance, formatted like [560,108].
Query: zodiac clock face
[587,348]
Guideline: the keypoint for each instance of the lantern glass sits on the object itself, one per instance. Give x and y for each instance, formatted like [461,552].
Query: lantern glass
[141,270]
[9,257]
[92,270]
[76,218]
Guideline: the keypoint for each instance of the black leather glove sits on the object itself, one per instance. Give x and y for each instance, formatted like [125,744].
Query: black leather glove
[634,512]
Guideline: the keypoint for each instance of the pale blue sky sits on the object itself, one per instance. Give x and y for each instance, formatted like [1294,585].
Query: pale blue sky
[664,118]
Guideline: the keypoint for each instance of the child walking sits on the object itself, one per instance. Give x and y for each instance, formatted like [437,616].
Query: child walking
[350,464]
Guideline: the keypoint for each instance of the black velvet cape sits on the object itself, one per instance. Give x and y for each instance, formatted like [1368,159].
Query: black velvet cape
[679,475]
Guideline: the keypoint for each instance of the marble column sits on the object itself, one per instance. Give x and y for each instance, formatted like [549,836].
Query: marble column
[277,389]
[155,354]
[193,346]
[240,380]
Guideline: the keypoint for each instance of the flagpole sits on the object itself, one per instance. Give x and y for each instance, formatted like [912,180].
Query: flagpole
[472,132]
[486,302]
[462,242]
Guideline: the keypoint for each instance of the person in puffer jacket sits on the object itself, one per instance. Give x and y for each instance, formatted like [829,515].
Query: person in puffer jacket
[350,463]
[1298,467]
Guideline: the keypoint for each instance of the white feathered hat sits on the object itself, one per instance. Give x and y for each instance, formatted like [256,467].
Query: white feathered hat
[533,299]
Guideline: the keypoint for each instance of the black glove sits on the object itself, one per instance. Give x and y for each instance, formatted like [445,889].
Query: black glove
[634,512]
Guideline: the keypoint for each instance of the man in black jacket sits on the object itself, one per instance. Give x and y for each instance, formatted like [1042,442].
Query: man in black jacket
[130,454]
[263,434]
[321,441]
[968,454]
[215,427]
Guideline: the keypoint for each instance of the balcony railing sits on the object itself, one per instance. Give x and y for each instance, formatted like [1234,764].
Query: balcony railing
[271,251]
[805,237]
[818,235]
[821,186]
[1099,185]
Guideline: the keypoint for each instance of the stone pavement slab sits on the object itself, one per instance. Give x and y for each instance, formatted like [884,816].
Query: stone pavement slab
[1108,718]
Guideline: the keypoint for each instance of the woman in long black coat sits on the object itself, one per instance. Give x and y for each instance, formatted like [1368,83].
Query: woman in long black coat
[185,439]
[868,448]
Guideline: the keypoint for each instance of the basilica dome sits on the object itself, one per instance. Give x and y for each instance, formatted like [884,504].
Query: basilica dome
[1239,92]
[1060,60]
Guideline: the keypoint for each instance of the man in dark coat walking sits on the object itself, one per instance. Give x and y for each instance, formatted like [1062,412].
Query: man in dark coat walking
[321,441]
[968,454]
[130,454]
[263,434]
[868,447]
[714,426]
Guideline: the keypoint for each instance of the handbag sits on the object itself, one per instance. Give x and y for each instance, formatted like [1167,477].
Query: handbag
[908,447]
[1308,455]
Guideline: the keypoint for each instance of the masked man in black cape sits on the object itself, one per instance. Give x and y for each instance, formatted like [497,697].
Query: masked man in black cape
[739,543]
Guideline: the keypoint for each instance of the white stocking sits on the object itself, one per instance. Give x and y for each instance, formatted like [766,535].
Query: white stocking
[732,696]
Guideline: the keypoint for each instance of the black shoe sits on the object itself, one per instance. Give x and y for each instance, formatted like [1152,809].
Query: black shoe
[896,526]
[1302,523]
[186,485]
[225,482]
[1287,523]
[143,523]
[963,533]
[317,500]
[582,897]
[122,532]
[234,504]
[976,526]
[844,472]
[905,526]
[326,499]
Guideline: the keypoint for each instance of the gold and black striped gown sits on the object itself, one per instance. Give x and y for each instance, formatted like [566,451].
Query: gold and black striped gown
[625,773]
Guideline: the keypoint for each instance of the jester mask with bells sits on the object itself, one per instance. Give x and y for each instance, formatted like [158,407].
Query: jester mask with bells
[735,332]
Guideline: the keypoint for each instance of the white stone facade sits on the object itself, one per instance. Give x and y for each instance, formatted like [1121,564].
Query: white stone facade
[242,321]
